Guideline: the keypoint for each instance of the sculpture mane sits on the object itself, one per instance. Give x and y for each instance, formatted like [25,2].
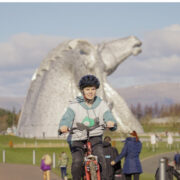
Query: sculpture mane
[55,82]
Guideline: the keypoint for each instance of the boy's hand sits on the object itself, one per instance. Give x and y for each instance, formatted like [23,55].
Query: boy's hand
[64,129]
[113,163]
[110,124]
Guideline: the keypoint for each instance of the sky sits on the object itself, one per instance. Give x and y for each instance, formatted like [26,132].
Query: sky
[28,31]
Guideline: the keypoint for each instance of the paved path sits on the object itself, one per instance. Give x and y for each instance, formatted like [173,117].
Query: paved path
[150,164]
[30,172]
[22,172]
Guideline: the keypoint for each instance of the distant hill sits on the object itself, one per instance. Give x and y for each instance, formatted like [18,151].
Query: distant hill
[161,93]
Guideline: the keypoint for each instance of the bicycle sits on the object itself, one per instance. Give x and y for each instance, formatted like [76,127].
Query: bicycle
[91,165]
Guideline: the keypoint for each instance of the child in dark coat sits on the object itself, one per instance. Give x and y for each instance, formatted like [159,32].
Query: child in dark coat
[110,153]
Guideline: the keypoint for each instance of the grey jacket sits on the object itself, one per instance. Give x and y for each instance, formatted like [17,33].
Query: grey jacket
[79,112]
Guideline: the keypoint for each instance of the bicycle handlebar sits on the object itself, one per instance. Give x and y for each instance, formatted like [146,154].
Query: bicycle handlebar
[83,127]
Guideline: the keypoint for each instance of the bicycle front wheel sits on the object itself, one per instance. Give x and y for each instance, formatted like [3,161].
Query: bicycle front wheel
[93,172]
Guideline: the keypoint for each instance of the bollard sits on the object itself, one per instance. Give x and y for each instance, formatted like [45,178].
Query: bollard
[34,157]
[162,169]
[54,160]
[4,156]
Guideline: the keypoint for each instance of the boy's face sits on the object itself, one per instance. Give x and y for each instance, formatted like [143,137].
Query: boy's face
[89,92]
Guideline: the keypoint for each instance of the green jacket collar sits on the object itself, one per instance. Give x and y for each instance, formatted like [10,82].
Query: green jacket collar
[81,101]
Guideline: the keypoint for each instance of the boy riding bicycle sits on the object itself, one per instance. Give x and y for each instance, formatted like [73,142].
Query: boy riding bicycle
[87,109]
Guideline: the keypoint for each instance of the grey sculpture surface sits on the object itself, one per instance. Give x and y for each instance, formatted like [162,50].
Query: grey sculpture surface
[55,82]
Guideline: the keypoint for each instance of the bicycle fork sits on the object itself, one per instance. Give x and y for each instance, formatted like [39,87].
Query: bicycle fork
[92,169]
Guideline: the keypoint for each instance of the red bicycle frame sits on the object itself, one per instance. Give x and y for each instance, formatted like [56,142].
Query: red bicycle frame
[91,161]
[90,158]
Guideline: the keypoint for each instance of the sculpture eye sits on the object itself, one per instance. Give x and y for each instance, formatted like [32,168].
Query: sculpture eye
[83,52]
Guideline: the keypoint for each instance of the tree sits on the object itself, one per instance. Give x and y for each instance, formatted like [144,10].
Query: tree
[139,112]
[10,119]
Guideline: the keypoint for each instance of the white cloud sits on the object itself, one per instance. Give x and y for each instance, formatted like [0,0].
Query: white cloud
[160,65]
[25,50]
[162,42]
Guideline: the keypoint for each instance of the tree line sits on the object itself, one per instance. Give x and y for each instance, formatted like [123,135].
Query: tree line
[8,118]
[155,111]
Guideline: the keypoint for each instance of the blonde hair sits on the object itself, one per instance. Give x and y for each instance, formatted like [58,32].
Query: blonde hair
[47,159]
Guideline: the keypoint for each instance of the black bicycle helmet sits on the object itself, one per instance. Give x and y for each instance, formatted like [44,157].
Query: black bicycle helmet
[89,80]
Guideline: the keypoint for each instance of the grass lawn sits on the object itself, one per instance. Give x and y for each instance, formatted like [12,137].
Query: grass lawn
[161,127]
[146,176]
[24,155]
